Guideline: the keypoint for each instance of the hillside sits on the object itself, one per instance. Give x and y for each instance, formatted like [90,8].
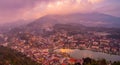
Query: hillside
[12,57]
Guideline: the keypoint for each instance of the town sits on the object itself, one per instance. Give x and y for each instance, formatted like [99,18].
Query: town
[42,49]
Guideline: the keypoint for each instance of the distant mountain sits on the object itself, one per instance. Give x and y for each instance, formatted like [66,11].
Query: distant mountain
[88,19]
[47,22]
[8,26]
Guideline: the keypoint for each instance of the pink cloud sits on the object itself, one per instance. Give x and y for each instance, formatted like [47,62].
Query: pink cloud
[11,10]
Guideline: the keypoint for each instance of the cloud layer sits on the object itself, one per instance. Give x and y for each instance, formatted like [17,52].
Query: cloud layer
[12,10]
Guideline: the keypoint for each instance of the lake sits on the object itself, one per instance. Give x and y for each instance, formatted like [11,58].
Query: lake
[76,53]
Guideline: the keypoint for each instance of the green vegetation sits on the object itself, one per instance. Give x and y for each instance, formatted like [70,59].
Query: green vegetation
[12,57]
[89,61]
[116,63]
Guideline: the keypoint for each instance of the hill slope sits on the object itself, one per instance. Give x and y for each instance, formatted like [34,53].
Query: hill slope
[12,57]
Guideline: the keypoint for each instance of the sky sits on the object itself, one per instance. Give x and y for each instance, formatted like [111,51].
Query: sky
[14,10]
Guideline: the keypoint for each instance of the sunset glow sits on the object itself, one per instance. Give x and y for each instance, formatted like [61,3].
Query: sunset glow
[29,10]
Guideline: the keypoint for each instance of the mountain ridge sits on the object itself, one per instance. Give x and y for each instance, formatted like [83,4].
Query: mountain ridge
[89,19]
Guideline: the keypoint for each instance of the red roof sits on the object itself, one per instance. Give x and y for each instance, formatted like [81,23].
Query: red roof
[72,60]
[64,64]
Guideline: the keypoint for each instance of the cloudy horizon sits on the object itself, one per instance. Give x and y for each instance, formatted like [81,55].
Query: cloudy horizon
[13,10]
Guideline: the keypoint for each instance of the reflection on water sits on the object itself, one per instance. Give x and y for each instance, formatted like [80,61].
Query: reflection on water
[66,50]
[76,53]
